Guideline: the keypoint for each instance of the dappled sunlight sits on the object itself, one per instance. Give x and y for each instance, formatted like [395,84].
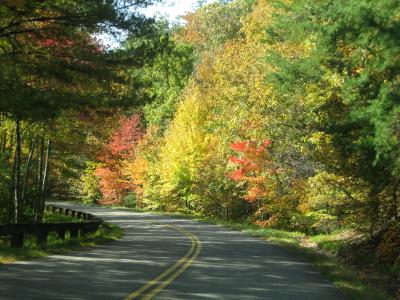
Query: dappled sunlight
[231,265]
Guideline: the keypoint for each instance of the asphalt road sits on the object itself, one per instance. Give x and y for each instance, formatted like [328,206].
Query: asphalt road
[208,261]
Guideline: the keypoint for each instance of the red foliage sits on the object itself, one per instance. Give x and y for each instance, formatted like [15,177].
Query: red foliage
[126,137]
[113,185]
[252,167]
[239,146]
[237,175]
[237,160]
[48,42]
[75,49]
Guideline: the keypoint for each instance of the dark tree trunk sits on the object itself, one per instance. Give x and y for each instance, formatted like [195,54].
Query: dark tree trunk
[17,174]
[10,208]
[43,182]
[39,180]
[26,173]
[45,178]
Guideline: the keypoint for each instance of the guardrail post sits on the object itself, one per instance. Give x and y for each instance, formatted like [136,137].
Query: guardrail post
[17,232]
[17,240]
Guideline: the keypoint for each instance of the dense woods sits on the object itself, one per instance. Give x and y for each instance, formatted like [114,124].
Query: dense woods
[54,75]
[284,114]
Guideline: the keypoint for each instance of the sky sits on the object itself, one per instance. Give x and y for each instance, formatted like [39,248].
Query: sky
[172,9]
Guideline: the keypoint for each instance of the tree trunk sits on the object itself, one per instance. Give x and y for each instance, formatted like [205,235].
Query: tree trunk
[26,174]
[11,191]
[17,174]
[10,209]
[43,187]
[39,180]
[35,179]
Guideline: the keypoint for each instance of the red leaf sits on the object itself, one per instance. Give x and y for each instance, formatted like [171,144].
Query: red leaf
[239,146]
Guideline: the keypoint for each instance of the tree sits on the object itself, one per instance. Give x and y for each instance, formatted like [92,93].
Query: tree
[214,24]
[52,61]
[350,69]
[113,184]
[254,166]
[52,65]
[165,77]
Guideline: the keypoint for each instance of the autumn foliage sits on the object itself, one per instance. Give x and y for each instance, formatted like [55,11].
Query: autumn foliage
[114,185]
[260,77]
[253,166]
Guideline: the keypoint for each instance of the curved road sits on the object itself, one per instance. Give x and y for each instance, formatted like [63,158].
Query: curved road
[212,263]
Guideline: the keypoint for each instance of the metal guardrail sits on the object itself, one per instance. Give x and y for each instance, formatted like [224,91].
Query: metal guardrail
[16,232]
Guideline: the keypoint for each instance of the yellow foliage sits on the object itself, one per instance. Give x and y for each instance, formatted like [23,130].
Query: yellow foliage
[255,23]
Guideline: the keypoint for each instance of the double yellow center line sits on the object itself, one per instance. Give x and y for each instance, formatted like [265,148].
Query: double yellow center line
[154,286]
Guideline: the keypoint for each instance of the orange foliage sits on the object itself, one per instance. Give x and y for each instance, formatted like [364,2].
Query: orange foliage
[254,166]
[114,184]
[111,185]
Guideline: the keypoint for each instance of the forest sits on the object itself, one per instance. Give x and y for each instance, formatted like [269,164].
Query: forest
[280,113]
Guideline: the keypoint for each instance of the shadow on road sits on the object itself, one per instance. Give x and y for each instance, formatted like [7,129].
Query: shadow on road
[231,266]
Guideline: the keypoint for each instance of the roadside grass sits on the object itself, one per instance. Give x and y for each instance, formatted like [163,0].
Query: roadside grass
[334,241]
[319,250]
[31,249]
[54,218]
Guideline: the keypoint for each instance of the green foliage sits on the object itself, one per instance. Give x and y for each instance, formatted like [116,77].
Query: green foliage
[321,222]
[214,24]
[158,82]
[54,218]
[90,192]
[129,200]
[54,73]
[5,178]
[349,68]
[50,66]
[164,77]
[319,79]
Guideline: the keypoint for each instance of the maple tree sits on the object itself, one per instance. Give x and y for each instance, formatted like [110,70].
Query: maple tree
[122,145]
[254,168]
